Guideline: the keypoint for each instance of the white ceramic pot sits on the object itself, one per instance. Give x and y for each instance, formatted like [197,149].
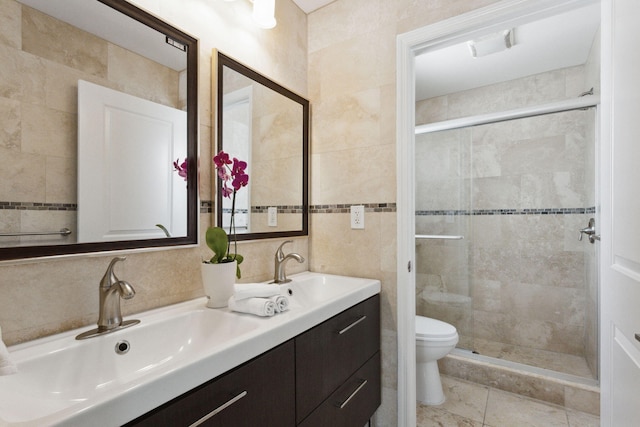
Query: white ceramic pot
[218,281]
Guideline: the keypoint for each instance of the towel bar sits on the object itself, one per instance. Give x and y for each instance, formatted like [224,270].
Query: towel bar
[63,232]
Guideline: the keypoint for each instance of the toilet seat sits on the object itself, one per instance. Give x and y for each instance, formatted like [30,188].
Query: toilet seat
[433,329]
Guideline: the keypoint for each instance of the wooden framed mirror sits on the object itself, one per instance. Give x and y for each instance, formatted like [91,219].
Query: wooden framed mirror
[267,125]
[112,45]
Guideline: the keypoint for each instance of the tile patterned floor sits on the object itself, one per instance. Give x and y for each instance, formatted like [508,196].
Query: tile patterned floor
[473,405]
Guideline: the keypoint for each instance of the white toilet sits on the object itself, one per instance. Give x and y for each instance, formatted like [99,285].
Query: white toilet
[434,340]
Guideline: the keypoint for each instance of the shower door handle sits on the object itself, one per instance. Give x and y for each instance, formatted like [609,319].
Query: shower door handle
[590,231]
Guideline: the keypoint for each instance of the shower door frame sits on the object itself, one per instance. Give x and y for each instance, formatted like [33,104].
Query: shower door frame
[451,31]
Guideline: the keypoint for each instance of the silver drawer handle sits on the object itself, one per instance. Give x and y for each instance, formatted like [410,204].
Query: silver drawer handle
[352,395]
[352,325]
[219,409]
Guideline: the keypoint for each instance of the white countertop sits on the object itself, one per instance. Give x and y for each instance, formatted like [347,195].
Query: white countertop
[62,381]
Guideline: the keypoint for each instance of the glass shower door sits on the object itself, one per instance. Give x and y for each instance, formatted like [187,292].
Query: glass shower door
[443,207]
[520,285]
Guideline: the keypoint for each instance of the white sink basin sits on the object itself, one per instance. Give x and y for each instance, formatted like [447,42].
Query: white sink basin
[64,381]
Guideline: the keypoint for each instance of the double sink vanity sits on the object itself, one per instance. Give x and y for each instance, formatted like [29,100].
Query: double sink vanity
[316,364]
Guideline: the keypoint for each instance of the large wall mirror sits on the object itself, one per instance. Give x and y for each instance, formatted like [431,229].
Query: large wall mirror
[98,99]
[266,125]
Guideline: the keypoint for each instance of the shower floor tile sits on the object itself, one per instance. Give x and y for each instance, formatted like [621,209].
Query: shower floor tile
[559,362]
[474,405]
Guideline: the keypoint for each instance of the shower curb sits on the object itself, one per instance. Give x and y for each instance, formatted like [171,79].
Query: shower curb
[568,391]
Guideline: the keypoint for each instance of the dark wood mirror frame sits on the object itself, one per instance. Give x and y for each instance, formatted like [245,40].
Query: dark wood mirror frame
[225,61]
[20,252]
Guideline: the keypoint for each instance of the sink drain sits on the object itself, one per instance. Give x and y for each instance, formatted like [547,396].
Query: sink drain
[122,347]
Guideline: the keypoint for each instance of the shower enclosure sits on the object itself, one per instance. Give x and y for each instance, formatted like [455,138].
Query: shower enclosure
[499,207]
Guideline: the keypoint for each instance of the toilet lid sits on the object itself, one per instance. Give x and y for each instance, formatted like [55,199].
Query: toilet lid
[433,328]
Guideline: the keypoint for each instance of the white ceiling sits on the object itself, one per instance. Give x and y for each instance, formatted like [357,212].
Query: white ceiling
[559,41]
[309,6]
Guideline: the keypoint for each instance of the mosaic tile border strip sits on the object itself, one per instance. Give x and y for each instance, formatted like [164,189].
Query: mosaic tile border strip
[265,209]
[206,206]
[281,209]
[474,212]
[35,206]
[346,208]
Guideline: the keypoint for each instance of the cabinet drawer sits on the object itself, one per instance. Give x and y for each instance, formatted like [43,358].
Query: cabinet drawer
[328,354]
[256,393]
[353,403]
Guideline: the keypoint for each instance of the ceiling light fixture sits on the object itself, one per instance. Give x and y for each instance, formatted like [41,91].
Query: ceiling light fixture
[263,13]
[491,43]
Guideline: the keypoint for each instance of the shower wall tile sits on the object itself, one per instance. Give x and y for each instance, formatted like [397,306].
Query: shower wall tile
[532,90]
[496,192]
[575,81]
[530,265]
[432,110]
[488,295]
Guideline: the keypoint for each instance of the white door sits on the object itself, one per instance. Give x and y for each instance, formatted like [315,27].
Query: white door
[620,196]
[126,182]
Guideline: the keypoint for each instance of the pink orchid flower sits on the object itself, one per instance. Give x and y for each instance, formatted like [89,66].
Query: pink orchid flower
[181,168]
[221,159]
[234,174]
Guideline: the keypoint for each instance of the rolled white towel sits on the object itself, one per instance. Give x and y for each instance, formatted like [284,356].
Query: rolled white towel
[281,302]
[251,290]
[7,367]
[258,306]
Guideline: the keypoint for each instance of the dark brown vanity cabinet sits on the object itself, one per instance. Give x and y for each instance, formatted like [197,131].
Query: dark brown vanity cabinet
[258,393]
[338,368]
[326,376]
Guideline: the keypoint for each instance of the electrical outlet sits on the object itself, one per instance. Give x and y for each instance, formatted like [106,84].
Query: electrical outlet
[357,217]
[272,216]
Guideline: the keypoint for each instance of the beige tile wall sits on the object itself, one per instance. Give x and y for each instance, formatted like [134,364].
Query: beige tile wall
[352,62]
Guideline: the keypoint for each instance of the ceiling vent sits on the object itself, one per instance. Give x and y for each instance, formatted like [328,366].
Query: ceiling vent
[491,43]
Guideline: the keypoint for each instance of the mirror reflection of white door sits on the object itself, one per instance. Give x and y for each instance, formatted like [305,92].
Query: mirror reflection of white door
[237,134]
[620,244]
[126,183]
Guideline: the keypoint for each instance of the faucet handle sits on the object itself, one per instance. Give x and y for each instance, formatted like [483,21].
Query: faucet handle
[116,259]
[280,252]
[110,277]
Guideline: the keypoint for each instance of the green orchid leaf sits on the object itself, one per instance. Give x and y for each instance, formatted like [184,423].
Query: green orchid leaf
[217,241]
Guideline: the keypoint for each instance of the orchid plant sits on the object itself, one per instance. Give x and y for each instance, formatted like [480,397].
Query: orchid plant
[233,177]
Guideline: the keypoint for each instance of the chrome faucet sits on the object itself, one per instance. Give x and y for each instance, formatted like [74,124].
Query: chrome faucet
[280,275]
[111,290]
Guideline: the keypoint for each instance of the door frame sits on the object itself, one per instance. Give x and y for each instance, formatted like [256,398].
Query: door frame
[441,34]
